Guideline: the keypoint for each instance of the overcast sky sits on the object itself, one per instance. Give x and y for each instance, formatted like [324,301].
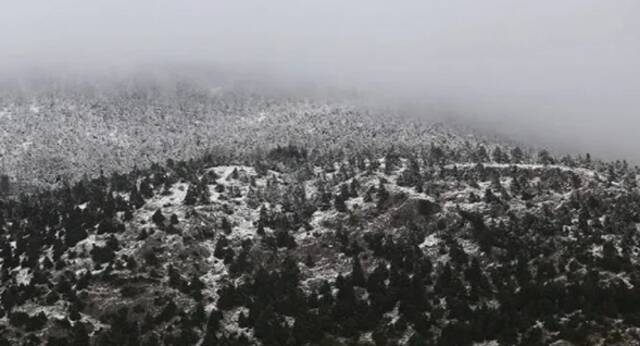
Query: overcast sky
[564,72]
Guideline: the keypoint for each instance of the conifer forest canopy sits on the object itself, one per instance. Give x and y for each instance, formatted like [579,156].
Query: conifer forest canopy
[319,173]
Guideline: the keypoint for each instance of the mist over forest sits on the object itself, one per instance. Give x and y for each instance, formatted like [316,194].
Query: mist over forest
[559,74]
[370,173]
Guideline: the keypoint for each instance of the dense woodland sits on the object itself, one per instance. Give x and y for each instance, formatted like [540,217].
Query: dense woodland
[346,230]
[63,134]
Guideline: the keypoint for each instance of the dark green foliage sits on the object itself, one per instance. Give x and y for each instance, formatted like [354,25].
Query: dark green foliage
[136,199]
[146,191]
[5,185]
[357,275]
[158,218]
[338,203]
[197,193]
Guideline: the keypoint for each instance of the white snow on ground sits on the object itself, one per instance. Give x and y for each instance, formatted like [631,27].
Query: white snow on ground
[581,171]
[56,311]
[231,319]
[177,193]
[318,219]
[351,203]
[469,247]
[393,315]
[245,228]
[459,196]
[596,250]
[224,172]
[487,343]
[464,206]
[24,276]
[170,203]
[411,192]
[326,269]
[242,220]
[212,280]
[430,241]
[310,189]
[89,243]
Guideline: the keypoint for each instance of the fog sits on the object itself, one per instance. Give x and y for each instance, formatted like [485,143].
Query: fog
[563,74]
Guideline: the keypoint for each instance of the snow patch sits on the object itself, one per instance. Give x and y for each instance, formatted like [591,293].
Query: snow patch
[430,241]
[24,276]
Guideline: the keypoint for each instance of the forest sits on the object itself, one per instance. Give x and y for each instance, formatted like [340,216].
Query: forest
[264,221]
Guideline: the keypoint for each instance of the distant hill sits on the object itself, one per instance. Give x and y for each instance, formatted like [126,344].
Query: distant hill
[50,138]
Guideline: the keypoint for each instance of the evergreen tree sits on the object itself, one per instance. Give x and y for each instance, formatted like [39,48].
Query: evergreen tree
[5,184]
[545,158]
[145,189]
[497,155]
[136,199]
[80,335]
[221,247]
[309,262]
[339,203]
[383,196]
[191,197]
[517,156]
[357,274]
[158,218]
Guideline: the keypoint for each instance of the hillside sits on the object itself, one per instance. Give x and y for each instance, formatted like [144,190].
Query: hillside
[235,219]
[407,248]
[60,136]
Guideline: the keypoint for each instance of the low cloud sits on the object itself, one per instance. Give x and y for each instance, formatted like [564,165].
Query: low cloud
[560,73]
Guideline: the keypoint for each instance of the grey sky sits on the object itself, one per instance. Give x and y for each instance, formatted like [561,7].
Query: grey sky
[563,72]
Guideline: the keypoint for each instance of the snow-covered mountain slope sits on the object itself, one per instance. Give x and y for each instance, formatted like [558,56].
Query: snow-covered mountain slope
[422,247]
[46,139]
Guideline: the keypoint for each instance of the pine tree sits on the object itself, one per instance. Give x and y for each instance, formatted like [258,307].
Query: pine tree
[417,340]
[158,218]
[80,335]
[353,188]
[135,198]
[309,262]
[74,312]
[545,158]
[481,154]
[339,203]
[5,185]
[226,226]
[260,229]
[533,337]
[357,274]
[221,247]
[145,189]
[128,215]
[191,196]
[497,155]
[227,298]
[204,196]
[199,316]
[382,195]
[517,155]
